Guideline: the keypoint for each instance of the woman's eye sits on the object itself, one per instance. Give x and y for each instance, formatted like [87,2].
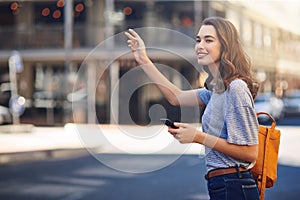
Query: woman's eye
[198,41]
[208,41]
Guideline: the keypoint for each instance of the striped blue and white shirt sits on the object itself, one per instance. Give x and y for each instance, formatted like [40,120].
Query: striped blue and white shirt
[231,116]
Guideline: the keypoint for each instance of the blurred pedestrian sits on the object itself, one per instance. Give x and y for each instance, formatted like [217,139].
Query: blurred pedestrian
[229,123]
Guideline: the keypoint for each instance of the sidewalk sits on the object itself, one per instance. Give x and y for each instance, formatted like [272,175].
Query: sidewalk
[79,139]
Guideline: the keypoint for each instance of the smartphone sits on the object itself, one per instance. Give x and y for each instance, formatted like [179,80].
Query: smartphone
[168,122]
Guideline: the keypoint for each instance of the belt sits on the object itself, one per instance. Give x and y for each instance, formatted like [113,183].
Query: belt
[223,171]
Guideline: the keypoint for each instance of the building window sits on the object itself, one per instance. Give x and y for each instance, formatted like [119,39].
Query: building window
[133,12]
[267,37]
[233,17]
[7,14]
[247,31]
[53,12]
[257,35]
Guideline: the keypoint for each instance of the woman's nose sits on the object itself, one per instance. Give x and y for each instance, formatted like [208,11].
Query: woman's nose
[199,45]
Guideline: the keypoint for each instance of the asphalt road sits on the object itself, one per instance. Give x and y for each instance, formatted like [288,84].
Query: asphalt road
[289,121]
[85,178]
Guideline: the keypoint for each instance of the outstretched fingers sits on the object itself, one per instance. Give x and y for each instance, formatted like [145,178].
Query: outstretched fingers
[134,33]
[130,36]
[133,40]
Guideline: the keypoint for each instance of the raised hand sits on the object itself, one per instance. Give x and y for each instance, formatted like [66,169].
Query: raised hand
[137,46]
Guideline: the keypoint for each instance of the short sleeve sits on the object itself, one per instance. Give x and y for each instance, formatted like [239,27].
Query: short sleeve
[242,126]
[204,95]
[241,121]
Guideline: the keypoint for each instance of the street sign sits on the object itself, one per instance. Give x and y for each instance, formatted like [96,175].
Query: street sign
[17,105]
[15,61]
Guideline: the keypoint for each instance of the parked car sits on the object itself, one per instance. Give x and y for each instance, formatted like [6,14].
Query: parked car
[5,115]
[268,102]
[292,103]
[5,94]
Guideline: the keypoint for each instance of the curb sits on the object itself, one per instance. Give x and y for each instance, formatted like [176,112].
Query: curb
[17,128]
[40,155]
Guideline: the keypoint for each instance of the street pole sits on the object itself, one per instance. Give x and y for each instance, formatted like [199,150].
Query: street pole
[68,27]
[109,28]
[68,39]
[114,67]
[16,106]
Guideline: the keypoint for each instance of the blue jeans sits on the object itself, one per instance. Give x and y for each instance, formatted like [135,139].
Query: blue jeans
[237,186]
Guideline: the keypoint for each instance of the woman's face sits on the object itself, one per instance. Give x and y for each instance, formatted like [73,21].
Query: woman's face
[208,46]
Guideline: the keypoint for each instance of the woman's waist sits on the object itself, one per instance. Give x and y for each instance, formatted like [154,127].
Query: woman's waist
[215,160]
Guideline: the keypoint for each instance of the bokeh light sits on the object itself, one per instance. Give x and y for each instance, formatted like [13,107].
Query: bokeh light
[79,7]
[45,12]
[127,10]
[60,3]
[56,14]
[14,6]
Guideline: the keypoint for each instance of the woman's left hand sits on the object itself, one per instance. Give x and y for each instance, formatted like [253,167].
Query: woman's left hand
[184,134]
[137,46]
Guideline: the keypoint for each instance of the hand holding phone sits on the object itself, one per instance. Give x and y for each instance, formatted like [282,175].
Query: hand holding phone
[168,122]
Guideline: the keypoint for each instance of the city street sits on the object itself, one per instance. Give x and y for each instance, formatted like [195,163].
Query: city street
[86,178]
[81,103]
[129,163]
[289,121]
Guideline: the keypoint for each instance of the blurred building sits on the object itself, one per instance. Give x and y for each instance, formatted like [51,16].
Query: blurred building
[54,38]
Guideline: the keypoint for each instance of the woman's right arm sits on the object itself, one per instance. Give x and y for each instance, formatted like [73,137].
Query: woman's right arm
[172,93]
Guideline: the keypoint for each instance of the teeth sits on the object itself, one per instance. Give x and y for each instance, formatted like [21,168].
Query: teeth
[201,53]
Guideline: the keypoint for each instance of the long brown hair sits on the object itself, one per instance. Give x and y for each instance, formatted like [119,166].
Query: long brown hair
[234,62]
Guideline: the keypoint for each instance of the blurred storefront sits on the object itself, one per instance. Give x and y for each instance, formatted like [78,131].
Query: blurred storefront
[57,94]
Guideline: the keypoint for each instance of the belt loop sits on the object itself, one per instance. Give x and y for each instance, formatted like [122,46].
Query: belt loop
[238,171]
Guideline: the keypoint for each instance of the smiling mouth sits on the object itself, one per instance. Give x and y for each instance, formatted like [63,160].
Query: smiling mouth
[201,55]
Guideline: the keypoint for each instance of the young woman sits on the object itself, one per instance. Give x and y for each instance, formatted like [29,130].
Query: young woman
[229,122]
